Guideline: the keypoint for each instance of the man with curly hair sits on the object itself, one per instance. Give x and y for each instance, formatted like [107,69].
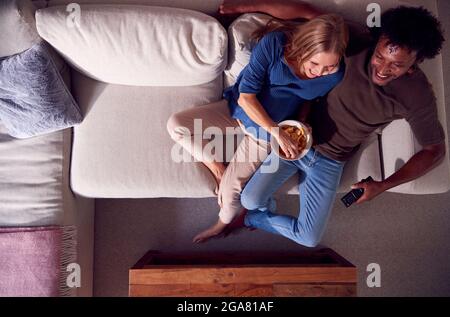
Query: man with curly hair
[382,83]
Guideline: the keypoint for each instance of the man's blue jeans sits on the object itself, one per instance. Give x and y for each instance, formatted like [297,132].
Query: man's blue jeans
[319,180]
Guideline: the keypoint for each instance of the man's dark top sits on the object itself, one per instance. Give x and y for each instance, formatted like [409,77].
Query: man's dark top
[356,107]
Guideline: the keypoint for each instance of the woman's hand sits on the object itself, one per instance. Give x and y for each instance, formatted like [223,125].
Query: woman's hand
[287,145]
[258,114]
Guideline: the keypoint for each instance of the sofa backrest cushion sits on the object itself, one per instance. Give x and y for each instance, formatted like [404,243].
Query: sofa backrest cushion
[241,45]
[137,45]
[17,26]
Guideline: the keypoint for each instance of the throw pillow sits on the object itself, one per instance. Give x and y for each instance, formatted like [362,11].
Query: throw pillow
[33,97]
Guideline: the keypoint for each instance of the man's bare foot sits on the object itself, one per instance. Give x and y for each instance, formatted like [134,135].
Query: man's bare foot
[236,6]
[209,233]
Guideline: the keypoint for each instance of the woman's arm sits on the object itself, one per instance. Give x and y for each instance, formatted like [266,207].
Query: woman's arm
[282,9]
[258,114]
[256,111]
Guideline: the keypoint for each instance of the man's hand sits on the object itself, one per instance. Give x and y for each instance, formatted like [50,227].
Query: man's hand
[371,190]
[239,6]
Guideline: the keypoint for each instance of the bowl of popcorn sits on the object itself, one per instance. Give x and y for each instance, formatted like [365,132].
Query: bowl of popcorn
[299,133]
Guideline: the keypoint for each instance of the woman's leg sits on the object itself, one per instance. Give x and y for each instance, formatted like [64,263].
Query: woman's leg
[317,194]
[184,125]
[247,158]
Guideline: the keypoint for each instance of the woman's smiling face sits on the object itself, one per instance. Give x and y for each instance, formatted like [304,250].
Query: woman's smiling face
[320,64]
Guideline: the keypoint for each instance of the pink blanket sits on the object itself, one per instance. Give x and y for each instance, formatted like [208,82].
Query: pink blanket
[31,259]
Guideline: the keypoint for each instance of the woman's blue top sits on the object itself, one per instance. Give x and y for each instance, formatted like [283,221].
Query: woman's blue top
[279,90]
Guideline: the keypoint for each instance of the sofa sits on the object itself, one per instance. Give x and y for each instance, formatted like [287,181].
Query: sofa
[129,67]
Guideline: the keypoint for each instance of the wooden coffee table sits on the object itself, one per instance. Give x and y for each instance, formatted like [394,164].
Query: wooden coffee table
[308,273]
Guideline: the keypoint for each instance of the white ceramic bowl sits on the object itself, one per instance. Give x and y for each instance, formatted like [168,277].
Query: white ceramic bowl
[276,147]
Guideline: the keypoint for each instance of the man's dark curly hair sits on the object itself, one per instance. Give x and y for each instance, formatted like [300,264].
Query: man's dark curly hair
[414,28]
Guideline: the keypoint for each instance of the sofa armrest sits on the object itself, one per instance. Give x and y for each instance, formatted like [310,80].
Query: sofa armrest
[79,212]
[399,143]
[394,157]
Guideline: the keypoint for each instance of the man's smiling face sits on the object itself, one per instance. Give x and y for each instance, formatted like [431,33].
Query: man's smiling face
[390,62]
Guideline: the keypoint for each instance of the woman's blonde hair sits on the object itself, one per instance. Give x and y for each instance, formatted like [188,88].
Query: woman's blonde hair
[325,33]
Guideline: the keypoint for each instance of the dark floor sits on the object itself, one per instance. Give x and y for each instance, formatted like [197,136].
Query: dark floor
[411,244]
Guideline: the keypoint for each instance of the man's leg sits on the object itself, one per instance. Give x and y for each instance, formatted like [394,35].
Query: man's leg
[317,195]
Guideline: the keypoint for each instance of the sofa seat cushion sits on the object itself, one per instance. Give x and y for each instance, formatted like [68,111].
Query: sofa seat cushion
[31,180]
[137,45]
[122,148]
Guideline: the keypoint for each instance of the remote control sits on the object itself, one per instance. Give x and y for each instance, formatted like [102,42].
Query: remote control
[354,194]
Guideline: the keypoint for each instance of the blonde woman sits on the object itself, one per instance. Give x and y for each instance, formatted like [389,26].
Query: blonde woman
[291,64]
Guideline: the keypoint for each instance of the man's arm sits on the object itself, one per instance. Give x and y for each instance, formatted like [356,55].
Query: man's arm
[418,165]
[282,9]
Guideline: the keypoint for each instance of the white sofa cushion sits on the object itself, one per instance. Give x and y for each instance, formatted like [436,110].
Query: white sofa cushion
[122,148]
[138,45]
[209,7]
[365,162]
[239,34]
[31,180]
[394,156]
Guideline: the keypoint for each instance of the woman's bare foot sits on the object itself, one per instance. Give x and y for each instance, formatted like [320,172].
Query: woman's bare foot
[217,169]
[211,232]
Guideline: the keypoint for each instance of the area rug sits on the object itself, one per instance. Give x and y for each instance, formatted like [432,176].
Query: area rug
[34,260]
